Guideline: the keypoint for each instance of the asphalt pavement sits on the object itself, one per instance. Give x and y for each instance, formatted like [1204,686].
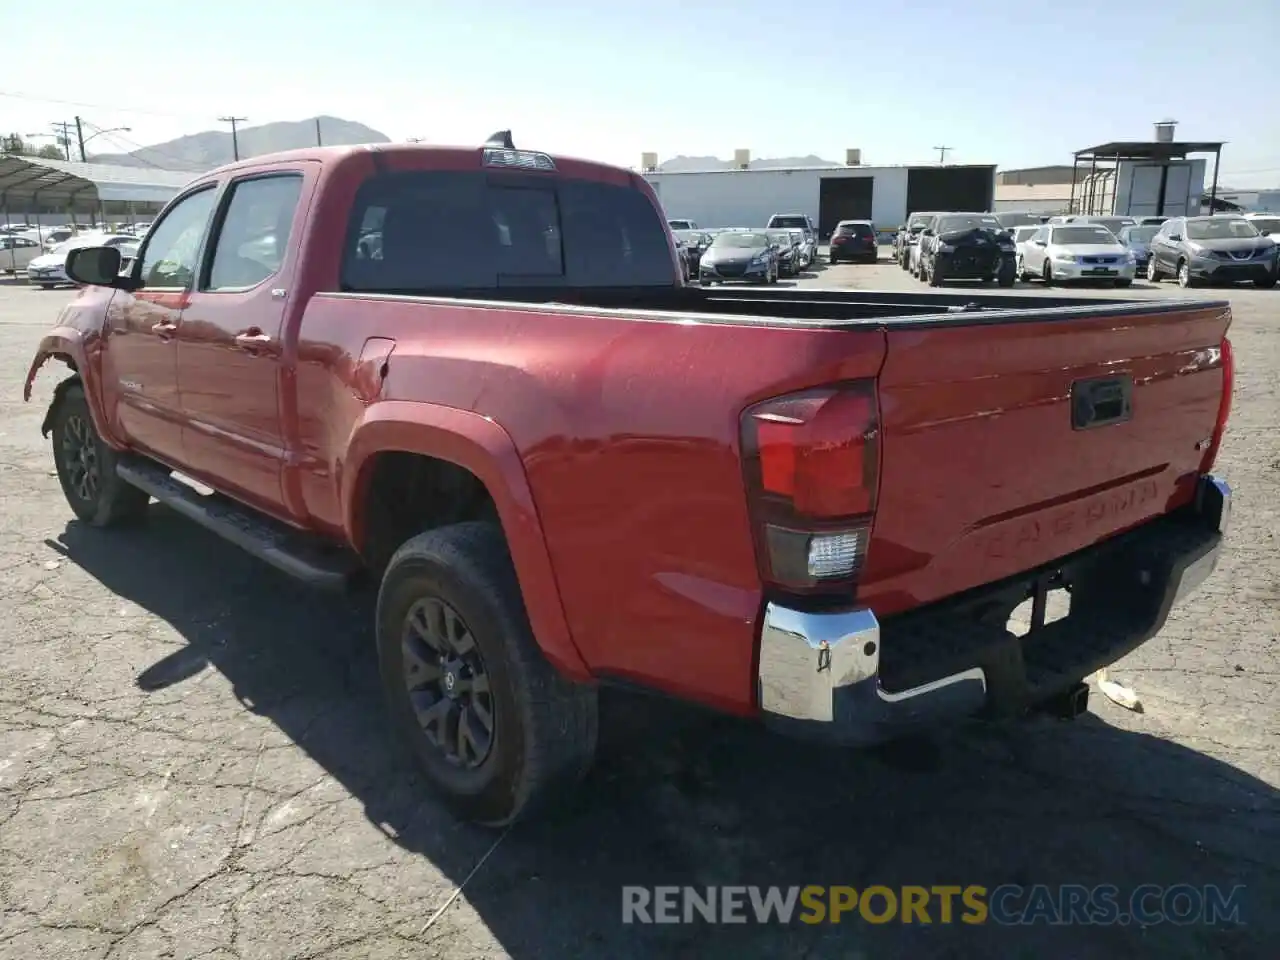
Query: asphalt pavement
[194,761]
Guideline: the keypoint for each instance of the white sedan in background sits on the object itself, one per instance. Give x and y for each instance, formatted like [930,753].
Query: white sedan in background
[16,252]
[1060,252]
[49,270]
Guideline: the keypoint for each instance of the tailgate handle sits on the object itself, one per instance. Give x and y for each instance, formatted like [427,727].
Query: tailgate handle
[1101,401]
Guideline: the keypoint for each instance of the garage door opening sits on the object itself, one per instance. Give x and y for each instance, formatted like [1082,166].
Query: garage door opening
[843,198]
[950,188]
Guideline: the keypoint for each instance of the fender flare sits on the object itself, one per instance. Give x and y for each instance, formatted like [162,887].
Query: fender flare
[68,344]
[477,444]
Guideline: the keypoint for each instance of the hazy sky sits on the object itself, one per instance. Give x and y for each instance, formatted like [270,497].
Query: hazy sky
[1017,84]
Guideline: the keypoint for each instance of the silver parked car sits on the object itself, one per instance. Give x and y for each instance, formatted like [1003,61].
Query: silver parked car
[1077,251]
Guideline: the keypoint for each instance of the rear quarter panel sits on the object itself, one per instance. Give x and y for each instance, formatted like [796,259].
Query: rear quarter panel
[628,434]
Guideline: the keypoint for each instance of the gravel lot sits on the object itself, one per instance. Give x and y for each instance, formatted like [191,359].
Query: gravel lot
[194,763]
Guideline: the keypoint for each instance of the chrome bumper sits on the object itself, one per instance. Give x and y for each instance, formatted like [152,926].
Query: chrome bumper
[819,673]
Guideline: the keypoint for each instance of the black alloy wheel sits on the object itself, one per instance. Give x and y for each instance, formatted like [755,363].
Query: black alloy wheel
[448,683]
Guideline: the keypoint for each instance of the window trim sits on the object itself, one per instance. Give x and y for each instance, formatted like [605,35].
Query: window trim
[218,220]
[141,257]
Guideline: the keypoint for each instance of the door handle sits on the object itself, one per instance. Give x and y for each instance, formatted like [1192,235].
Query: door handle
[163,328]
[253,341]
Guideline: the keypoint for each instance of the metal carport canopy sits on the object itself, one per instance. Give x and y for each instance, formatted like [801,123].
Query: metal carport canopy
[26,181]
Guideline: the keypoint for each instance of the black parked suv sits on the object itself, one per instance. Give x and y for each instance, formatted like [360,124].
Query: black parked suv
[967,246]
[1219,249]
[854,241]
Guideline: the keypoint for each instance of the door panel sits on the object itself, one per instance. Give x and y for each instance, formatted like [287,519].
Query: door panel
[140,362]
[229,347]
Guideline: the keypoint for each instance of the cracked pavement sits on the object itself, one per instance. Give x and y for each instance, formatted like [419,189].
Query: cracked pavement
[194,761]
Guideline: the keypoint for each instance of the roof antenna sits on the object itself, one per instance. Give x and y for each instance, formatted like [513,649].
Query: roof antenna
[500,139]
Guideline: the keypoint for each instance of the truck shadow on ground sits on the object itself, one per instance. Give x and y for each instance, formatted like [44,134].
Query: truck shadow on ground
[679,797]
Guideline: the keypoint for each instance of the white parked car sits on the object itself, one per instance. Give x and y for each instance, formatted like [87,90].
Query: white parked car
[16,251]
[1267,224]
[49,270]
[1021,237]
[1060,252]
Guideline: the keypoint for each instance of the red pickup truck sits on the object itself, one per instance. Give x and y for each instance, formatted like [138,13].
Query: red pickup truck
[475,374]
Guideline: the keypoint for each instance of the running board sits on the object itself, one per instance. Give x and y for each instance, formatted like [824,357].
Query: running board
[306,558]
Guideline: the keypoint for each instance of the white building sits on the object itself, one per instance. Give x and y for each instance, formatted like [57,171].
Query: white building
[884,195]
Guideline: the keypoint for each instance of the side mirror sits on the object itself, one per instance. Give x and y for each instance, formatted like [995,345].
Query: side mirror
[1042,243]
[96,266]
[901,227]
[927,233]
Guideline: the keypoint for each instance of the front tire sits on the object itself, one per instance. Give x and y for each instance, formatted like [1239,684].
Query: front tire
[1185,279]
[496,730]
[86,467]
[1153,271]
[1047,274]
[1265,283]
[1124,282]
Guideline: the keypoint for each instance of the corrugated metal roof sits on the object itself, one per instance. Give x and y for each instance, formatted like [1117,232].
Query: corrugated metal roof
[24,180]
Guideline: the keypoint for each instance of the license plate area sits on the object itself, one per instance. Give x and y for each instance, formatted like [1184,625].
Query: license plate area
[1101,402]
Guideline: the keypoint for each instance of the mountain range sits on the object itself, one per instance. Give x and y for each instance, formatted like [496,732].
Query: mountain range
[212,148]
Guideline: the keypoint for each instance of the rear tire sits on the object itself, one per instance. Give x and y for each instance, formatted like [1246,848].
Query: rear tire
[86,468]
[450,617]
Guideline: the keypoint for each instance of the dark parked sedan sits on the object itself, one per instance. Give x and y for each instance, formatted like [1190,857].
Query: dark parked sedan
[693,243]
[855,241]
[1138,240]
[739,255]
[1217,249]
[788,252]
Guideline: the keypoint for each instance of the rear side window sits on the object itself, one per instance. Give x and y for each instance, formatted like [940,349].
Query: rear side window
[450,231]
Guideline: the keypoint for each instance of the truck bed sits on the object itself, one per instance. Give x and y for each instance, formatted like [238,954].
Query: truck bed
[825,308]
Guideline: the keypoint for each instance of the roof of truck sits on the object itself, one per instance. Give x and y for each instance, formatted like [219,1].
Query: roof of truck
[335,154]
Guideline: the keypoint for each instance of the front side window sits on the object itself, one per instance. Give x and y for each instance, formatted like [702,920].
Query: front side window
[174,244]
[255,232]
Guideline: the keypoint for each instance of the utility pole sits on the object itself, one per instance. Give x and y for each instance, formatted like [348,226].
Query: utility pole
[80,137]
[235,141]
[319,142]
[942,153]
[65,137]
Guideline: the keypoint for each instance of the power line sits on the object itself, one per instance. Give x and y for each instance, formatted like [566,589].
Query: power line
[114,107]
[235,140]
[942,153]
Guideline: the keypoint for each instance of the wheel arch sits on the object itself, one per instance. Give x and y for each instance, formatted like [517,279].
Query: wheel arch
[68,345]
[485,450]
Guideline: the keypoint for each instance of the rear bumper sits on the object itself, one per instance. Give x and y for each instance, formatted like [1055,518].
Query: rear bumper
[846,677]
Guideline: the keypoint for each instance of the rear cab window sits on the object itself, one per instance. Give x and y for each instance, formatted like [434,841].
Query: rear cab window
[450,231]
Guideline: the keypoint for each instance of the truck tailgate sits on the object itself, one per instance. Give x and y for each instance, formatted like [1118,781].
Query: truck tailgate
[990,468]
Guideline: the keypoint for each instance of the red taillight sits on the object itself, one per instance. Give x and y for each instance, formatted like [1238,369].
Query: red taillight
[839,239]
[1224,406]
[812,462]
